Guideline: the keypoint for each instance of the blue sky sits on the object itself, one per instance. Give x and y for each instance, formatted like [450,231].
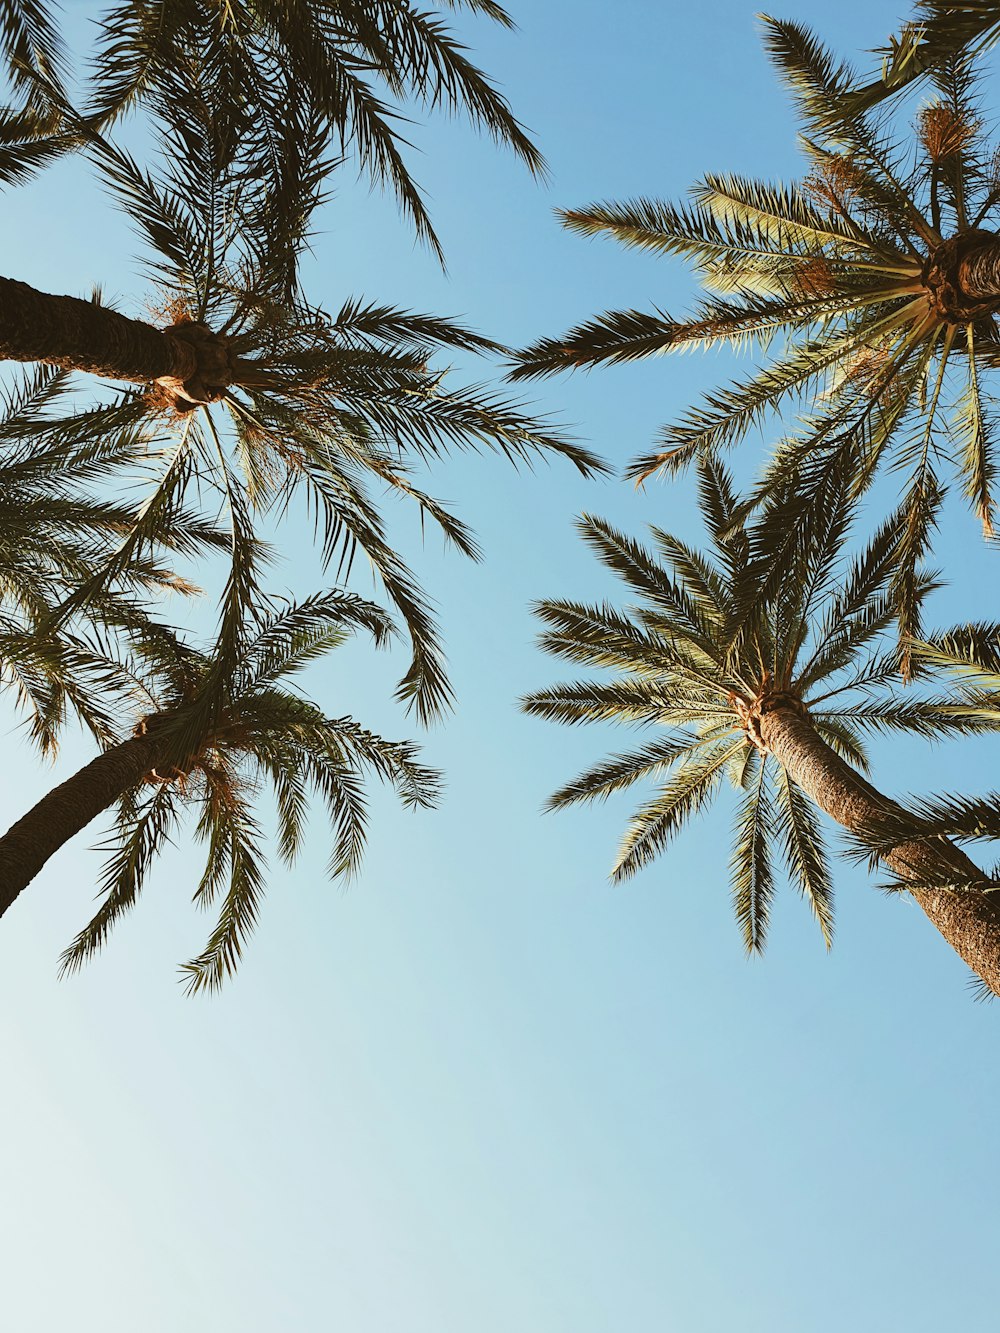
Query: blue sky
[481,1088]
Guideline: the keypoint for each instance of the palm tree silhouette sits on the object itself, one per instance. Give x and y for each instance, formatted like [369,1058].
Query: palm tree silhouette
[773,684]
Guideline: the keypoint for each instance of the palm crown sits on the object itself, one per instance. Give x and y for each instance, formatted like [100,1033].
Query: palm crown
[878,279]
[712,650]
[55,528]
[227,722]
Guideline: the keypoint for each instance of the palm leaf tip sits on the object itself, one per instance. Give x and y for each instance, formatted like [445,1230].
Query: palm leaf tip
[614,338]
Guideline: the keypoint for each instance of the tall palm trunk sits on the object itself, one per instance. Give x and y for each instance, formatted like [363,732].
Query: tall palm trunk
[79,335]
[68,808]
[968,920]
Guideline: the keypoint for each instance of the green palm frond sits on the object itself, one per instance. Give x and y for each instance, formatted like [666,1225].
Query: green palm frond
[142,830]
[804,849]
[618,773]
[958,818]
[241,904]
[751,865]
[975,645]
[785,219]
[56,526]
[652,826]
[637,702]
[643,572]
[618,336]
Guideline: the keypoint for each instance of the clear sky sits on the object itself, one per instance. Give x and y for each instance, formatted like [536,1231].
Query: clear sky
[482,1089]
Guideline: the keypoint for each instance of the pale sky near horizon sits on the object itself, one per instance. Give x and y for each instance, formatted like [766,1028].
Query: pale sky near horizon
[481,1089]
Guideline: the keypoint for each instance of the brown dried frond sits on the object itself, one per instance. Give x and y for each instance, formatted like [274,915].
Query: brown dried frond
[833,182]
[944,133]
[660,460]
[275,457]
[293,458]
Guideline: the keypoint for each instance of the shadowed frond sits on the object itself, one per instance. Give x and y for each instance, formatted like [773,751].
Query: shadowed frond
[939,32]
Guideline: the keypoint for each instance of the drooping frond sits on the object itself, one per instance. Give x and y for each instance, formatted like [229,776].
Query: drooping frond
[750,866]
[288,74]
[679,799]
[142,830]
[34,51]
[805,850]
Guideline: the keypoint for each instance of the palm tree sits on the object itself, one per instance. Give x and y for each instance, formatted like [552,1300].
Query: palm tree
[875,284]
[251,390]
[223,723]
[55,529]
[294,82]
[773,685]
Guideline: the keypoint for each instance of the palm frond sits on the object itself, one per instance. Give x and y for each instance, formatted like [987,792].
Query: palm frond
[677,801]
[750,867]
[621,771]
[804,850]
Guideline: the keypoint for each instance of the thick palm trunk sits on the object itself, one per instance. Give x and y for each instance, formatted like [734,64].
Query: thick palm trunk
[68,808]
[79,335]
[969,921]
[979,272]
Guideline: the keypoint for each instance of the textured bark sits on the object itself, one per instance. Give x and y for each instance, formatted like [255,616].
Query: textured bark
[79,335]
[68,808]
[979,272]
[962,276]
[968,920]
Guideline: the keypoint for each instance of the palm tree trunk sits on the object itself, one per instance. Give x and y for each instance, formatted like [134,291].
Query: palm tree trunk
[68,808]
[979,271]
[968,920]
[79,335]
